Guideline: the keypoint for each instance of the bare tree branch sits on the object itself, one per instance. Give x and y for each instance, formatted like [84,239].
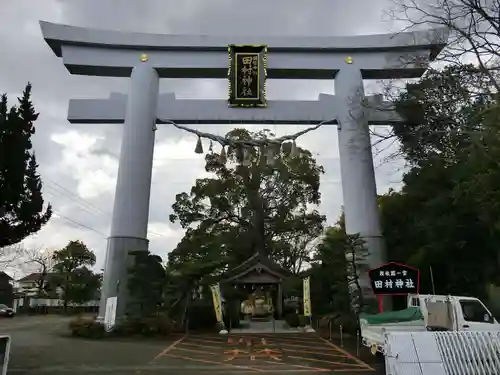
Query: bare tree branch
[9,256]
[474,27]
[40,261]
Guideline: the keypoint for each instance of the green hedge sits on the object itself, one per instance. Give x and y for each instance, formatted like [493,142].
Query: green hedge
[156,325]
[201,316]
[87,328]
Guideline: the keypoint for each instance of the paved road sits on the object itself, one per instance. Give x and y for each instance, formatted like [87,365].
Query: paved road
[39,349]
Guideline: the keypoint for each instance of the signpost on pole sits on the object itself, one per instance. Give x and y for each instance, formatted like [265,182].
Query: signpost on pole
[394,279]
[4,353]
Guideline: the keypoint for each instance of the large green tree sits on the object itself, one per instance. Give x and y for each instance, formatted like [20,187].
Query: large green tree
[248,206]
[147,283]
[443,112]
[72,273]
[329,282]
[445,218]
[22,209]
[339,260]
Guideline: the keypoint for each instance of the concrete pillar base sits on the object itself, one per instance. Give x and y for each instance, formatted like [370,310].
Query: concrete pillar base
[116,271]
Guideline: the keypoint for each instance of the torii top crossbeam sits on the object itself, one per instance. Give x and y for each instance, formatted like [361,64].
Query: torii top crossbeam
[114,53]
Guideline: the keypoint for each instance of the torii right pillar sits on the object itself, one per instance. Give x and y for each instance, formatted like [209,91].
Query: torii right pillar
[358,174]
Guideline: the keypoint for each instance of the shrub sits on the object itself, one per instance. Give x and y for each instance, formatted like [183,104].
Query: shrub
[304,320]
[201,316]
[347,321]
[87,327]
[289,309]
[231,315]
[155,325]
[292,319]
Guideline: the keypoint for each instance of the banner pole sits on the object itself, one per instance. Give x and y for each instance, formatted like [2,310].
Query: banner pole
[380,300]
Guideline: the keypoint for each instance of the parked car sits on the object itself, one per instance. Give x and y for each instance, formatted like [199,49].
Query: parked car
[6,311]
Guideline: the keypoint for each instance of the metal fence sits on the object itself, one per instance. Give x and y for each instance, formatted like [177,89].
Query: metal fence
[32,305]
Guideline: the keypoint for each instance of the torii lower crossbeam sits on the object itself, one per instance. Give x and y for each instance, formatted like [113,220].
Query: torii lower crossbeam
[190,111]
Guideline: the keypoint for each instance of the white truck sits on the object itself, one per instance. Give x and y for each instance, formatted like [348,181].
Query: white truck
[427,313]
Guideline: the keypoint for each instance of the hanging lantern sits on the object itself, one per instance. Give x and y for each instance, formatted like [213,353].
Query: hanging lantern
[294,150]
[199,147]
[223,156]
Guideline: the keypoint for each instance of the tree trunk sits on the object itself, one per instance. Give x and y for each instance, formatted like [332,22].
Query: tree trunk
[361,300]
[251,180]
[184,319]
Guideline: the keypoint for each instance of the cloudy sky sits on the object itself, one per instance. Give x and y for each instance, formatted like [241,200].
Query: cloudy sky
[78,163]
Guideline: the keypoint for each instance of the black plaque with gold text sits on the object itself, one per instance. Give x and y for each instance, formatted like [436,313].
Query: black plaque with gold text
[247,75]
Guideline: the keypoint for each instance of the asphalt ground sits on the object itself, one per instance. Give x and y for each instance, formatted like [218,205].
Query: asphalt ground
[38,347]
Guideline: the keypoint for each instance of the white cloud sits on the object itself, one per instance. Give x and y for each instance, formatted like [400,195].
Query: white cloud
[95,174]
[162,229]
[168,151]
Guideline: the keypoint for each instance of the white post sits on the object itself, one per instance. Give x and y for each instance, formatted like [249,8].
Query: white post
[133,186]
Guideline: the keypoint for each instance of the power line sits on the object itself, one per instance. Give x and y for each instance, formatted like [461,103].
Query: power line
[79,224]
[58,190]
[90,208]
[77,197]
[58,194]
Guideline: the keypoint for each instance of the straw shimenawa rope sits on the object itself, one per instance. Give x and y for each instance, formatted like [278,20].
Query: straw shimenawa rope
[257,142]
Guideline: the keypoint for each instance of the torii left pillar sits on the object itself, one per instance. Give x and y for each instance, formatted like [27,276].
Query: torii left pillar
[133,186]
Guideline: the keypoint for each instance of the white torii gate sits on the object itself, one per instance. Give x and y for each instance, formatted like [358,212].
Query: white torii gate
[145,58]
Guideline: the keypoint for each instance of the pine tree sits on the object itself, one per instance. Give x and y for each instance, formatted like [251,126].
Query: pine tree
[21,202]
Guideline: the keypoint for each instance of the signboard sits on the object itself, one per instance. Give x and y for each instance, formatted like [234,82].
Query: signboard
[394,279]
[4,353]
[247,75]
[307,296]
[110,313]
